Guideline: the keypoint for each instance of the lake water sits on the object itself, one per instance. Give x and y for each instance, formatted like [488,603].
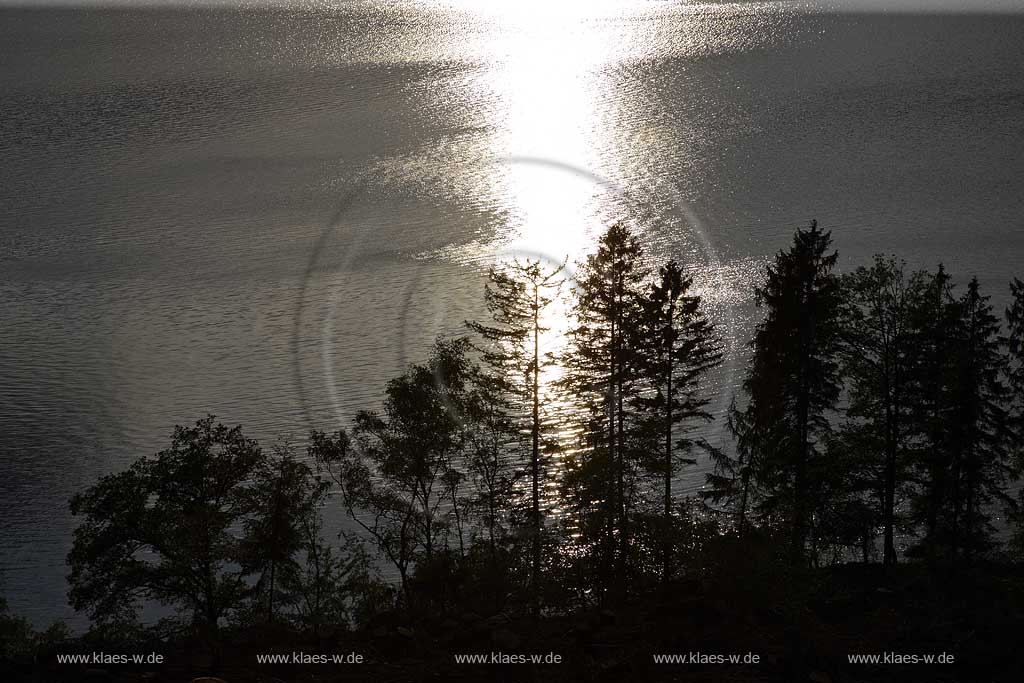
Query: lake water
[266,214]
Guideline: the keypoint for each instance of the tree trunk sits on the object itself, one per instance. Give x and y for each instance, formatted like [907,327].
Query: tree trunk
[620,450]
[888,511]
[535,458]
[666,569]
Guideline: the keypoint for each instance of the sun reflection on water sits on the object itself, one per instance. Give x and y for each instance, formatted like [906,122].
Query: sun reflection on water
[555,163]
[547,81]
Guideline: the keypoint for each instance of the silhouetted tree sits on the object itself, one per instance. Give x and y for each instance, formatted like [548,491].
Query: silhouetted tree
[16,635]
[877,347]
[394,476]
[330,585]
[284,494]
[602,369]
[934,316]
[677,347]
[851,492]
[508,398]
[982,441]
[793,380]
[732,485]
[963,420]
[491,447]
[379,508]
[162,529]
[1015,374]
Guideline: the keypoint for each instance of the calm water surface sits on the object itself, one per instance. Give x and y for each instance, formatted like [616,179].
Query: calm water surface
[266,214]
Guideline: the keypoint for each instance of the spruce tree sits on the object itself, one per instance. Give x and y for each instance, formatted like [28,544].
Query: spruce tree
[509,393]
[963,419]
[677,348]
[793,380]
[983,441]
[602,370]
[934,317]
[732,486]
[1015,374]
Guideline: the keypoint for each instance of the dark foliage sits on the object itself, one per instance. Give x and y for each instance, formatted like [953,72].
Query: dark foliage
[881,416]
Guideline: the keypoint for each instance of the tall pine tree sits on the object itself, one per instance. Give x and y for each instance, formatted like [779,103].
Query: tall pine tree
[934,317]
[982,442]
[677,348]
[518,297]
[793,379]
[1015,373]
[602,370]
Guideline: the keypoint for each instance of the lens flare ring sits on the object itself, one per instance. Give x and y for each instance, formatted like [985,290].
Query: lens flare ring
[639,203]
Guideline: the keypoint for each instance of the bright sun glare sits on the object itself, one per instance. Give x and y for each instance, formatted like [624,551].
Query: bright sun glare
[547,58]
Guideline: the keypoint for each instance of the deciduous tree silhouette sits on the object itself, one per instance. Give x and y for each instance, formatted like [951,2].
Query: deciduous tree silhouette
[876,351]
[162,529]
[396,471]
[285,496]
